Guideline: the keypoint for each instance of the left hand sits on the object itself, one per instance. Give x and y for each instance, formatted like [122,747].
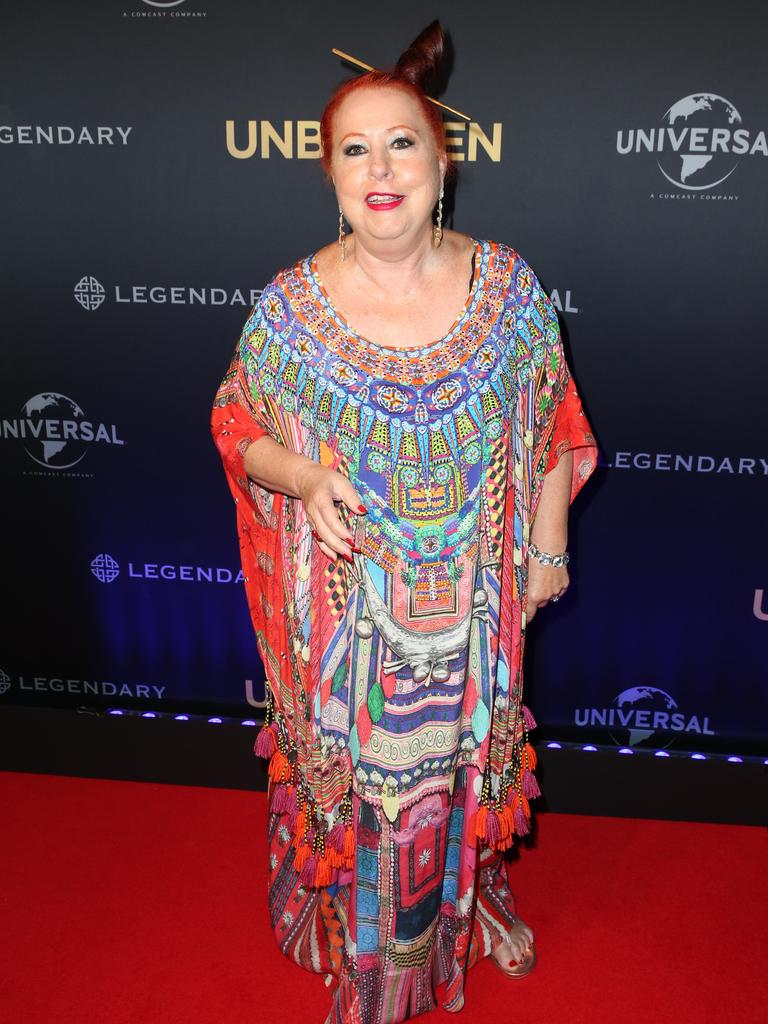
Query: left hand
[544,583]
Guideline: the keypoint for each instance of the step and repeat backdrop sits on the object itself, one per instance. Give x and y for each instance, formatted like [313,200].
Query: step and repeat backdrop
[159,163]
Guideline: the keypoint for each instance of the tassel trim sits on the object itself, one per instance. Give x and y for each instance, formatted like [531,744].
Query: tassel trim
[320,853]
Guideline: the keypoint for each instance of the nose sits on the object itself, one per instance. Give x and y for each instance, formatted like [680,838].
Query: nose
[380,165]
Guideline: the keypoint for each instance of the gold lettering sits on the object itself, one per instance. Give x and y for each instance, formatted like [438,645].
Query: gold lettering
[308,140]
[284,143]
[250,149]
[453,143]
[462,143]
[477,135]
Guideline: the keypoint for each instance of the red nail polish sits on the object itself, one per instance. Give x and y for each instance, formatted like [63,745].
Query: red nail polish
[362,510]
[351,541]
[358,551]
[347,557]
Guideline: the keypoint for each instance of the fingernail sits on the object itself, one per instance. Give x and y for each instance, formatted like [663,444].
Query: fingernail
[351,541]
[362,510]
[358,551]
[347,557]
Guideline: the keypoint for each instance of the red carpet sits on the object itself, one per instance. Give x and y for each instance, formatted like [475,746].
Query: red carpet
[128,903]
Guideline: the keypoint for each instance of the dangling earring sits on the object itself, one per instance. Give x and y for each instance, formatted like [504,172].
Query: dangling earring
[437,231]
[342,235]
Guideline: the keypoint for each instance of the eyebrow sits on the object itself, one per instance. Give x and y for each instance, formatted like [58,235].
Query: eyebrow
[392,129]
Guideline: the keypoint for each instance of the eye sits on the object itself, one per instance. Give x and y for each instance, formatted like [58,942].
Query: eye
[354,149]
[402,142]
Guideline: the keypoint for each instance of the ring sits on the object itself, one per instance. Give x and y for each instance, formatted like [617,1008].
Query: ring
[556,597]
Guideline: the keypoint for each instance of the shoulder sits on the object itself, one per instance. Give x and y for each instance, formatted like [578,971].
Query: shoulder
[521,282]
[273,310]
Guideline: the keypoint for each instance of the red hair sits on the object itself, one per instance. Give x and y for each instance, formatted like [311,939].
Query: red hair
[415,69]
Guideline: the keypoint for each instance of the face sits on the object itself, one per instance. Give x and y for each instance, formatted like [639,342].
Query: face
[385,165]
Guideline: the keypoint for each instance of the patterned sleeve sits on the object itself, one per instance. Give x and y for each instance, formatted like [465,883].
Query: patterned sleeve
[560,424]
[242,414]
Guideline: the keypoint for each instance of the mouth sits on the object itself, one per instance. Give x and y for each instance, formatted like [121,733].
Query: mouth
[383,200]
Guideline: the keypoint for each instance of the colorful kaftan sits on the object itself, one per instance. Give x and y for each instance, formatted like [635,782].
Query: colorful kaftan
[400,764]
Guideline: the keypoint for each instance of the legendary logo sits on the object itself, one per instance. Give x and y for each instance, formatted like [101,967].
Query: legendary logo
[680,462]
[699,144]
[91,293]
[64,135]
[639,713]
[106,569]
[55,431]
[82,687]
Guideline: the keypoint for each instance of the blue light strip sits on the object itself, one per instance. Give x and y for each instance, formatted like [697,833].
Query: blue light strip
[549,744]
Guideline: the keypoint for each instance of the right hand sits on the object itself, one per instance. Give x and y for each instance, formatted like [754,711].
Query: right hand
[320,489]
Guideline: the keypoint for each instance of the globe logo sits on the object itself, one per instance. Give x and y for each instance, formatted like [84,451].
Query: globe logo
[647,699]
[89,293]
[52,436]
[5,682]
[105,568]
[699,148]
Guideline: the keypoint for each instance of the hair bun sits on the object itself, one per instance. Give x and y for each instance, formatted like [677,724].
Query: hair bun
[422,62]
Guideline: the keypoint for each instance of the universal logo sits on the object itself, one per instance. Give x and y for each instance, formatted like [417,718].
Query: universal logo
[564,305]
[106,569]
[759,607]
[250,694]
[637,714]
[91,293]
[167,9]
[300,140]
[56,433]
[697,147]
[81,687]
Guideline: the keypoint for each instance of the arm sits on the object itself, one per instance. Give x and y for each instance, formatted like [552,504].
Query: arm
[550,533]
[276,468]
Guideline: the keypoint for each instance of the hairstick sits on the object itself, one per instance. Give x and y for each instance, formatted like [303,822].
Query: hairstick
[367,67]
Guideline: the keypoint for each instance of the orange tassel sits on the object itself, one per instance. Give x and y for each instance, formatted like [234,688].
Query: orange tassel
[531,753]
[323,872]
[521,801]
[335,859]
[507,822]
[301,858]
[349,845]
[278,765]
[482,818]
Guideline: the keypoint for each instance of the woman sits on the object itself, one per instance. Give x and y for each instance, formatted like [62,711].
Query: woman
[400,501]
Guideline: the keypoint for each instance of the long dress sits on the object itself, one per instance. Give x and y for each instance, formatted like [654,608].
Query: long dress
[400,764]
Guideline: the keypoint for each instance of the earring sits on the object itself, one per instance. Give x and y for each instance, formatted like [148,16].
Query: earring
[437,231]
[342,235]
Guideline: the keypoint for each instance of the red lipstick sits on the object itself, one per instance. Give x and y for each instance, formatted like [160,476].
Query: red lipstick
[383,200]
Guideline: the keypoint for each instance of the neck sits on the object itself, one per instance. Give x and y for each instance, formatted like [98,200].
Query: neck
[390,263]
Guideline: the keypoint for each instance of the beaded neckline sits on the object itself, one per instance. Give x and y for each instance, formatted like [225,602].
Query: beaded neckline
[301,286]
[312,272]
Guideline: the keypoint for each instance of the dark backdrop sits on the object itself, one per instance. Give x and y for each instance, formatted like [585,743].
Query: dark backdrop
[137,230]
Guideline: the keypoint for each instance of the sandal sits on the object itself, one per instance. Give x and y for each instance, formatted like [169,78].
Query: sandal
[522,967]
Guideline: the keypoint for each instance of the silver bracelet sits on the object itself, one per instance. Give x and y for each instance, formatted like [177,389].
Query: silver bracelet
[546,559]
